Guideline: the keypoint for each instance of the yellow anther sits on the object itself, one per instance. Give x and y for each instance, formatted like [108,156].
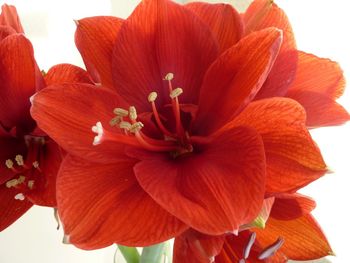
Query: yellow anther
[36,164]
[30,184]
[21,179]
[176,92]
[152,96]
[19,197]
[116,120]
[169,76]
[132,113]
[125,125]
[19,160]
[136,127]
[120,112]
[11,183]
[9,163]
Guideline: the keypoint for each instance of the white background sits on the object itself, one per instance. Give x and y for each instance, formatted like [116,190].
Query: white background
[321,27]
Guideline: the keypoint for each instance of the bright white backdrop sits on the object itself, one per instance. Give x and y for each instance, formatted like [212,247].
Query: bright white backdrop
[321,27]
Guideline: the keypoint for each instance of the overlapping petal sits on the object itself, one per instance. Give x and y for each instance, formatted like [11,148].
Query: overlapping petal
[101,204]
[9,17]
[95,37]
[242,70]
[160,37]
[212,191]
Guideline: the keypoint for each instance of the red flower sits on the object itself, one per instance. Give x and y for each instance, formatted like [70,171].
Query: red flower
[29,159]
[195,159]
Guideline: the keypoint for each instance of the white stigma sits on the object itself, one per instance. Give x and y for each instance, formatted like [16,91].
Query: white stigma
[176,92]
[19,160]
[132,113]
[152,96]
[120,112]
[19,197]
[169,76]
[9,163]
[99,130]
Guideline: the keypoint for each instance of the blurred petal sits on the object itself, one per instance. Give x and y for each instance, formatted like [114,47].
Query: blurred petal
[101,204]
[67,73]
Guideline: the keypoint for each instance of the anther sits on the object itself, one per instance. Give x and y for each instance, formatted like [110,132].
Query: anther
[11,183]
[99,130]
[152,96]
[132,113]
[31,184]
[9,163]
[169,76]
[176,92]
[136,127]
[116,120]
[19,160]
[120,112]
[19,196]
[271,250]
[125,125]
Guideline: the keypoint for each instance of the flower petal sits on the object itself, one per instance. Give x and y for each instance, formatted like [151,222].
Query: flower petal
[10,208]
[94,38]
[320,109]
[303,238]
[5,31]
[101,204]
[293,159]
[242,70]
[291,206]
[67,73]
[209,190]
[9,17]
[17,80]
[192,246]
[223,20]
[161,37]
[67,114]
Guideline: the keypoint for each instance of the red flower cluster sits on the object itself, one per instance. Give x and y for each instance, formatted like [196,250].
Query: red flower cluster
[195,126]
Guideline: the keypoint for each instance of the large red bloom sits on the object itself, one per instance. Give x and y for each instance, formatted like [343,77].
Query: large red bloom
[202,156]
[29,159]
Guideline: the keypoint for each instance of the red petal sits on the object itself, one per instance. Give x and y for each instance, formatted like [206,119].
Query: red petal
[293,159]
[10,208]
[5,31]
[95,37]
[223,20]
[318,75]
[211,191]
[241,70]
[101,204]
[192,246]
[67,116]
[9,17]
[291,206]
[17,80]
[321,110]
[303,238]
[45,195]
[161,37]
[67,73]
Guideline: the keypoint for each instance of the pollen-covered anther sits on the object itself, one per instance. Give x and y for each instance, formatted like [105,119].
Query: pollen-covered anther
[120,112]
[15,182]
[152,96]
[9,163]
[176,92]
[30,184]
[114,121]
[20,197]
[98,128]
[125,125]
[169,76]
[19,160]
[132,113]
[136,127]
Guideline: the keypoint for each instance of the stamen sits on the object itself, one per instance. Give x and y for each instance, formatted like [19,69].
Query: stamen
[176,92]
[132,113]
[136,127]
[152,96]
[20,197]
[31,184]
[11,183]
[271,250]
[9,163]
[99,130]
[169,76]
[120,112]
[19,160]
[125,125]
[116,120]
[249,245]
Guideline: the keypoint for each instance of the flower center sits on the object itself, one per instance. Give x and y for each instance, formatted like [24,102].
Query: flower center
[26,174]
[176,143]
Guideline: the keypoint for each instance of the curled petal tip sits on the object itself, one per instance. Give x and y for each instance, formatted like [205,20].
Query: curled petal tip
[331,253]
[329,170]
[66,240]
[76,22]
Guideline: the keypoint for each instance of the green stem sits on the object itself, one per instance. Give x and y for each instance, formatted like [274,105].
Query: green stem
[130,254]
[153,254]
